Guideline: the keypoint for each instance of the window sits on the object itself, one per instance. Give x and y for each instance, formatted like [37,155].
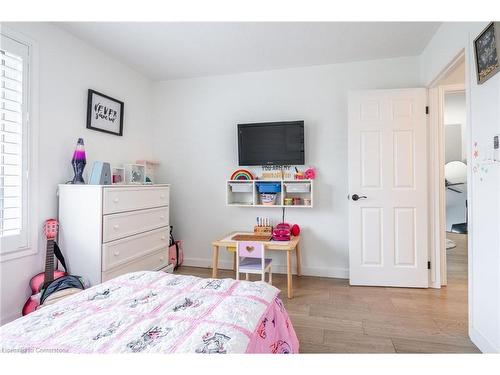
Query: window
[14,145]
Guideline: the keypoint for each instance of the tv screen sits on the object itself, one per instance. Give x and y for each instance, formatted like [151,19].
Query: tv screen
[271,143]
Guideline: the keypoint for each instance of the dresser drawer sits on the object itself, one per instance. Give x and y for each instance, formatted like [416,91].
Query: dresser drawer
[152,262]
[126,224]
[134,198]
[118,252]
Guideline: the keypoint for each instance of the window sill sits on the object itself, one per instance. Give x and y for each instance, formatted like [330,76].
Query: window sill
[16,254]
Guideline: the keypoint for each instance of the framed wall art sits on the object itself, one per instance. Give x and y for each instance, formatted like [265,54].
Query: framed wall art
[486,50]
[104,113]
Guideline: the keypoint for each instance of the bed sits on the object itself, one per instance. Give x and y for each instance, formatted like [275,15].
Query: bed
[157,312]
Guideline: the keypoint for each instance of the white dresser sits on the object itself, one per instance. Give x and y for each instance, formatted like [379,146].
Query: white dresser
[109,230]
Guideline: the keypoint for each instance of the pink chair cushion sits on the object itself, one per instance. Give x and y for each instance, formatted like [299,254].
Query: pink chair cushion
[252,264]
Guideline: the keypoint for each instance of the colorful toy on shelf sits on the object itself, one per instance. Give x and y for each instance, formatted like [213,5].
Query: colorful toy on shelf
[78,162]
[241,174]
[310,173]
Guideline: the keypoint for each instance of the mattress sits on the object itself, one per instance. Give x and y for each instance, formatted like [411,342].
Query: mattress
[156,312]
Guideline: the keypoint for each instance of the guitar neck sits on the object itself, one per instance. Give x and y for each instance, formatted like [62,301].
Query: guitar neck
[49,262]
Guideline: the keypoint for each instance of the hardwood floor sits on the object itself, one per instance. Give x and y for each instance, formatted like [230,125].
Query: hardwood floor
[329,316]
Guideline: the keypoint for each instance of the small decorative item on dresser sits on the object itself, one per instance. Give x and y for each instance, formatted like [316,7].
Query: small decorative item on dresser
[486,50]
[135,174]
[78,162]
[150,170]
[288,201]
[101,174]
[118,176]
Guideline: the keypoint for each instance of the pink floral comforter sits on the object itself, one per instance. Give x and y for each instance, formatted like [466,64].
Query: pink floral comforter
[157,312]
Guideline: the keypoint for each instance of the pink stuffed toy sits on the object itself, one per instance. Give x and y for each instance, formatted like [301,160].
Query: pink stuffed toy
[310,173]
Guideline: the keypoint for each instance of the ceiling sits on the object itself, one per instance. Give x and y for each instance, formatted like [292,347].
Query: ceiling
[171,50]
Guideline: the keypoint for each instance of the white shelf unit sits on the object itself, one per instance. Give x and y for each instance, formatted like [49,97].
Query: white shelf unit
[244,193]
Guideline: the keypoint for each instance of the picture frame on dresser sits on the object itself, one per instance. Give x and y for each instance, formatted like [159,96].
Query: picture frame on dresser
[118,176]
[135,174]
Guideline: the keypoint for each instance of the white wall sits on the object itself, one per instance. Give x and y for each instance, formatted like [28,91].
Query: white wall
[67,69]
[196,141]
[484,187]
[455,114]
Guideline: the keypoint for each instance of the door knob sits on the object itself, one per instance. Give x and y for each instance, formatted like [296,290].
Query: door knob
[356,197]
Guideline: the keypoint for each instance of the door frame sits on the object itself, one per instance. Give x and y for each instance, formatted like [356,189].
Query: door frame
[437,190]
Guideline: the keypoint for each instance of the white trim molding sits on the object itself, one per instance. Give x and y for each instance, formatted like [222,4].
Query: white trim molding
[33,146]
[338,273]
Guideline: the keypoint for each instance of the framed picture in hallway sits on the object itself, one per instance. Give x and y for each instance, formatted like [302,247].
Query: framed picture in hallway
[104,113]
[486,50]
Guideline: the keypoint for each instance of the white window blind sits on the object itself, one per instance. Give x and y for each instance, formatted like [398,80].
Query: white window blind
[13,145]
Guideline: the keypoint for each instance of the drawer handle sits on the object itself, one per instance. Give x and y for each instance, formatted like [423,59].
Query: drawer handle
[116,226]
[162,196]
[161,258]
[162,217]
[163,238]
[116,200]
[116,253]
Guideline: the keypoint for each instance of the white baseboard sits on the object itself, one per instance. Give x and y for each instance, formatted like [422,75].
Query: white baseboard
[339,273]
[483,344]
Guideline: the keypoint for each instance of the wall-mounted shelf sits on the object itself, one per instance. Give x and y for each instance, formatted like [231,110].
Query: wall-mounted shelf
[244,193]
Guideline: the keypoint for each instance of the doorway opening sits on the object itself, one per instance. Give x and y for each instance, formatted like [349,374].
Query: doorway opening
[455,174]
[449,124]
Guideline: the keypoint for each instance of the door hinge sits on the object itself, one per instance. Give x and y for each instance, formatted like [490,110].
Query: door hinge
[429,265]
[426,109]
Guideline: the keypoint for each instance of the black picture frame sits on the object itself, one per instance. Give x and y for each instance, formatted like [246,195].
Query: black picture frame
[486,52]
[98,118]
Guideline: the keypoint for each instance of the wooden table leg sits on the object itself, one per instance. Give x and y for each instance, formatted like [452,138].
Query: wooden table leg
[234,266]
[299,260]
[215,261]
[289,273]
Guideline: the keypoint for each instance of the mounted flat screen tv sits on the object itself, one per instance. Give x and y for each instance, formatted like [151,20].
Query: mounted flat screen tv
[271,143]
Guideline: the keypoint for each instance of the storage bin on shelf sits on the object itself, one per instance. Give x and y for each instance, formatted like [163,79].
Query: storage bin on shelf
[238,187]
[268,187]
[268,199]
[298,187]
[268,192]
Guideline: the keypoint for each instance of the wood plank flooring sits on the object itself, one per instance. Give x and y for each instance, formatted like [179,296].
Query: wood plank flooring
[329,316]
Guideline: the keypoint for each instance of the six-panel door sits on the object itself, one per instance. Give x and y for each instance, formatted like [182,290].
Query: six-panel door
[388,173]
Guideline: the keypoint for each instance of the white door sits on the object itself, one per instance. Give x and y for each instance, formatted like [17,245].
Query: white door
[388,188]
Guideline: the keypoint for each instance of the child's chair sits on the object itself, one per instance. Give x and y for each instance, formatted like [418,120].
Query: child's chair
[250,258]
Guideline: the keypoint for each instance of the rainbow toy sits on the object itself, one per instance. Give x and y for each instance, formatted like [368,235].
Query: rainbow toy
[241,174]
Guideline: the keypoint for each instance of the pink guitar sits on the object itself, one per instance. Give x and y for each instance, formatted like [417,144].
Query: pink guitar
[40,281]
